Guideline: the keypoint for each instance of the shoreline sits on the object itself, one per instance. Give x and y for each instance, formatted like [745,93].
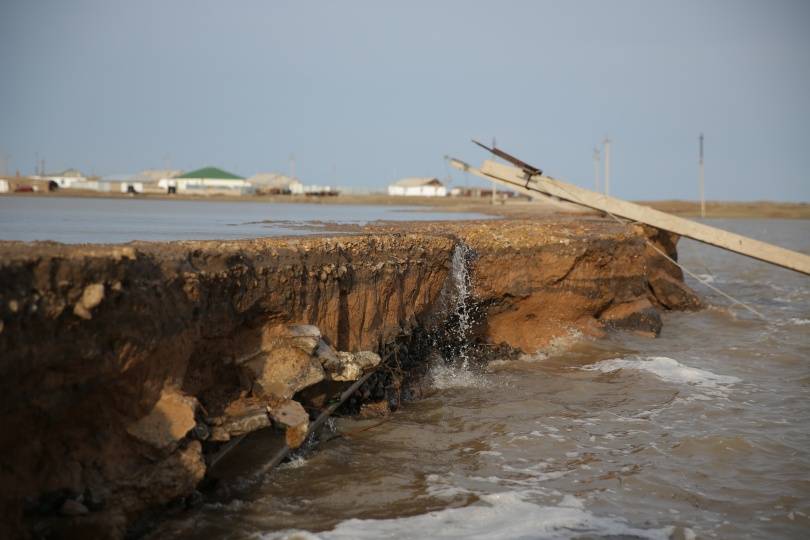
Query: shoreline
[508,208]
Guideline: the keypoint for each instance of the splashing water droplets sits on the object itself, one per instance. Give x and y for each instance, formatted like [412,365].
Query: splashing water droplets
[453,341]
[461,281]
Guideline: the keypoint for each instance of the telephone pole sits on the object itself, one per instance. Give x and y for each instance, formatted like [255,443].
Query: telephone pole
[493,182]
[607,142]
[702,185]
[596,169]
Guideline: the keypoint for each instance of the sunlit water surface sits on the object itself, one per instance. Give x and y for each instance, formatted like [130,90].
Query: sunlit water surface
[703,432]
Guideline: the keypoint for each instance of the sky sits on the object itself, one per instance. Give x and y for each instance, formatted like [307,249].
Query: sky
[365,92]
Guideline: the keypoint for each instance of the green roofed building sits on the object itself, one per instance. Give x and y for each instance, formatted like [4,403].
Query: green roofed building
[207,181]
[212,173]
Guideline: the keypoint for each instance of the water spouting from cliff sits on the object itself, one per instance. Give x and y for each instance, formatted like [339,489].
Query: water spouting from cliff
[461,281]
[453,340]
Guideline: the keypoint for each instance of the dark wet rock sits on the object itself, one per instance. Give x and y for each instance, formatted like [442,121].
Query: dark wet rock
[375,409]
[639,316]
[201,432]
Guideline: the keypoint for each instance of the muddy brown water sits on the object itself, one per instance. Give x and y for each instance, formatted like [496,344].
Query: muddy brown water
[701,433]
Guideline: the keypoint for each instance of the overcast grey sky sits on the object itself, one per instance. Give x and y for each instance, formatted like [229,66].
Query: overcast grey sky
[361,92]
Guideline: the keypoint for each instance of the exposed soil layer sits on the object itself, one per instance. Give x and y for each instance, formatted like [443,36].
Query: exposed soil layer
[119,363]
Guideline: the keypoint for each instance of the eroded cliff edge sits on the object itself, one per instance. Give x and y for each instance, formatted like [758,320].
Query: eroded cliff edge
[95,339]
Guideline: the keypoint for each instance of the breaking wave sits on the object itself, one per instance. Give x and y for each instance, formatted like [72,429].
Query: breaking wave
[498,516]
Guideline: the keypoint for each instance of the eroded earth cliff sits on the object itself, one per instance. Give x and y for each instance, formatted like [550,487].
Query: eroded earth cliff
[124,369]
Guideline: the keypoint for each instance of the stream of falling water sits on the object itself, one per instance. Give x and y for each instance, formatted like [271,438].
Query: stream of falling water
[461,279]
[701,433]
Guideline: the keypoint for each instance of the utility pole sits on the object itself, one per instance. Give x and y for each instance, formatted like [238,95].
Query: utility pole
[607,142]
[493,182]
[596,169]
[292,165]
[702,185]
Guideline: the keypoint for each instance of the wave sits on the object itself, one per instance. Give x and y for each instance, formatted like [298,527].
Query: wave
[498,516]
[667,369]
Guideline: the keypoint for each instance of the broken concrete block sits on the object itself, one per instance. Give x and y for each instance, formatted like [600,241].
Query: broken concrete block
[282,371]
[168,422]
[351,366]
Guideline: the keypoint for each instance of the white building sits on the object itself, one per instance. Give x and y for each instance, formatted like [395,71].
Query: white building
[69,179]
[121,183]
[3,185]
[314,189]
[275,183]
[418,187]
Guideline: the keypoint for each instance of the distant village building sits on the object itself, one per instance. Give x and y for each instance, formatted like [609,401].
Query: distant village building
[418,187]
[274,183]
[207,181]
[314,190]
[3,185]
[69,179]
[121,183]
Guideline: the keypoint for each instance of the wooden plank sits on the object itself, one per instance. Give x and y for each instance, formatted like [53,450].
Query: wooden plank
[516,179]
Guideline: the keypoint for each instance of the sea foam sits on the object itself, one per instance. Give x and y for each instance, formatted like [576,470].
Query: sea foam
[498,516]
[667,369]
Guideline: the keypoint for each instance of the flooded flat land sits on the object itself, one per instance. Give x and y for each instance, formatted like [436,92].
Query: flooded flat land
[703,432]
[116,220]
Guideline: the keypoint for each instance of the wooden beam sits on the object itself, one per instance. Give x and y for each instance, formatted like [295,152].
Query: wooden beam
[519,181]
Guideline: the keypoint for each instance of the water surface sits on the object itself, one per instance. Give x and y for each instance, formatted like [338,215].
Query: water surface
[96,220]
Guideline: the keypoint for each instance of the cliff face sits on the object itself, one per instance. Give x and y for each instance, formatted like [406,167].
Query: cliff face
[92,336]
[546,280]
[116,361]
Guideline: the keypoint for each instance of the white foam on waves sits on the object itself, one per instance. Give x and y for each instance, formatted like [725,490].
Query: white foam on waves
[668,369]
[498,516]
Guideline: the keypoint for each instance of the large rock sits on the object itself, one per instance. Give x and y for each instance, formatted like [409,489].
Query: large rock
[284,370]
[168,422]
